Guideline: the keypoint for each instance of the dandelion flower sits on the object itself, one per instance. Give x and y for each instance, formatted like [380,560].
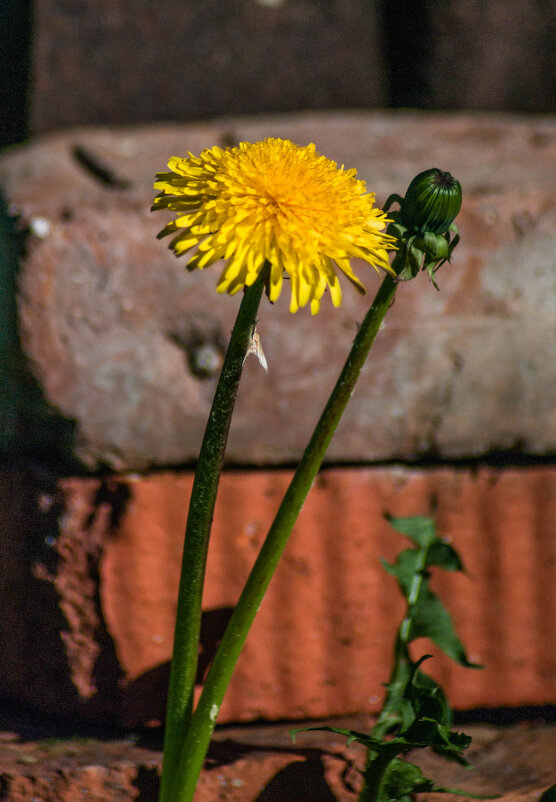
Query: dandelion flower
[273,203]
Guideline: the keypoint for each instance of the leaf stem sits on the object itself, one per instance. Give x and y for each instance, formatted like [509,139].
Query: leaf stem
[401,669]
[204,719]
[415,590]
[201,507]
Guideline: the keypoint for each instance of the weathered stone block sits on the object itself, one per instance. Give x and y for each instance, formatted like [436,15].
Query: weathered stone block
[111,325]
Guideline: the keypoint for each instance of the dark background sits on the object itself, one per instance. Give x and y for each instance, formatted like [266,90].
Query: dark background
[73,62]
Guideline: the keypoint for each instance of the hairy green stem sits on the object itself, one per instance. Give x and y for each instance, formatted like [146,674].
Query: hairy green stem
[400,675]
[390,716]
[414,591]
[202,723]
[199,521]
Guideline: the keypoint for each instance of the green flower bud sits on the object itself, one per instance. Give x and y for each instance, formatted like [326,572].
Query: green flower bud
[432,202]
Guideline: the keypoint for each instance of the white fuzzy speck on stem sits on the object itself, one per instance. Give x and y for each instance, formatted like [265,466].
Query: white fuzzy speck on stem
[256,348]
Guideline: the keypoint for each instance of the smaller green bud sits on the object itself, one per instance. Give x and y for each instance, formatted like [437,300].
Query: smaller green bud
[432,202]
[435,245]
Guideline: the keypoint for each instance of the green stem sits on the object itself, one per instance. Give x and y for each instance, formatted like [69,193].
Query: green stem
[414,592]
[390,715]
[202,724]
[199,520]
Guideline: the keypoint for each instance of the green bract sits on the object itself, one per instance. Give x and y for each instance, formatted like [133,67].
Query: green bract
[424,223]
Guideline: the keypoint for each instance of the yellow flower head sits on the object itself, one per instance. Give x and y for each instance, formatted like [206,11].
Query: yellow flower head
[278,203]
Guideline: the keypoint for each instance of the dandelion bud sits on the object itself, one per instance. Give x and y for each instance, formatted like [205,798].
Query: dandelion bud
[432,202]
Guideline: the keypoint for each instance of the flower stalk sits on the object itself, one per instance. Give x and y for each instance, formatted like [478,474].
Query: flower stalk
[266,211]
[204,718]
[201,507]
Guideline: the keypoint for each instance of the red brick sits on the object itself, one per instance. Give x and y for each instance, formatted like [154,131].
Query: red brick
[102,591]
[251,764]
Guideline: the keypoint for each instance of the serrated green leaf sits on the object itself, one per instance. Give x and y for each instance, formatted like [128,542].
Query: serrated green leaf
[403,569]
[395,746]
[393,712]
[419,529]
[449,744]
[444,556]
[416,713]
[401,780]
[407,714]
[428,698]
[352,736]
[430,619]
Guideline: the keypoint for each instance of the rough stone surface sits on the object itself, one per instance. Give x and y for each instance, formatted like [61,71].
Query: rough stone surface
[263,765]
[125,61]
[93,566]
[111,323]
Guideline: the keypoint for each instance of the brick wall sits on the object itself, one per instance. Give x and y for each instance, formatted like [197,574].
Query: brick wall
[69,62]
[99,329]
